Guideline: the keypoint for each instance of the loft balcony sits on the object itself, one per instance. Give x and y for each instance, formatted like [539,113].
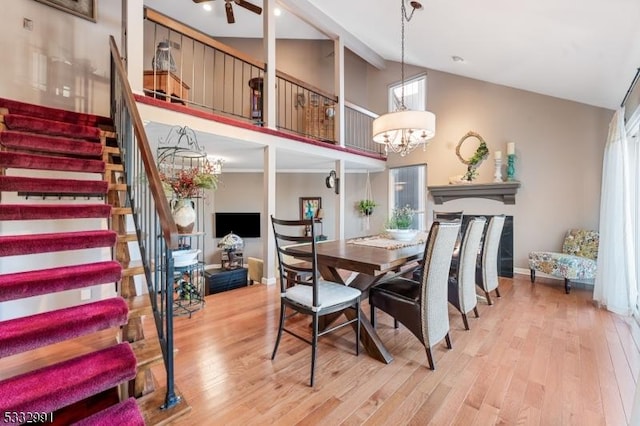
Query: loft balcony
[188,68]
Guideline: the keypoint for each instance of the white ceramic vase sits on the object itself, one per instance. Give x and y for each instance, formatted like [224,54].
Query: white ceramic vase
[184,215]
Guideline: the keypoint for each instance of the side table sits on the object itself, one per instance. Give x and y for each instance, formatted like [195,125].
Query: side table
[172,89]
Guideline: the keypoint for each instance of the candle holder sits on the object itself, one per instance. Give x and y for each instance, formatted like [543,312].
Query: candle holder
[497,176]
[511,169]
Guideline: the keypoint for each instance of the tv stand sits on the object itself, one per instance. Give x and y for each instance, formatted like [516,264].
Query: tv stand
[219,280]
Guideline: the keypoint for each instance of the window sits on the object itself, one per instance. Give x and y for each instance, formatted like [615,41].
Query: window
[408,187]
[415,94]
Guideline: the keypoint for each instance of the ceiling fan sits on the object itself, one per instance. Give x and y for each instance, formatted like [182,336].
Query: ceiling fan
[229,9]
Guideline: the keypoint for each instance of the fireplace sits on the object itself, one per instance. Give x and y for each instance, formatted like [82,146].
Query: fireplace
[505,250]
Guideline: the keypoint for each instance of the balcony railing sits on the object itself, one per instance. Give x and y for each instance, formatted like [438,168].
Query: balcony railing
[211,76]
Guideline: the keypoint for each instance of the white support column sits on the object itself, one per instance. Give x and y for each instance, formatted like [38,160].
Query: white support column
[269,86]
[338,77]
[339,208]
[269,208]
[133,36]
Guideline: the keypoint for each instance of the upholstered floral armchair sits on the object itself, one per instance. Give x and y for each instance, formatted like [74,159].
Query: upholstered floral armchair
[576,262]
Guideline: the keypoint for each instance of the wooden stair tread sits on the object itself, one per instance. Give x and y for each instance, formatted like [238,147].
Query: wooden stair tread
[134,267]
[139,305]
[121,211]
[153,415]
[114,167]
[117,187]
[132,236]
[111,150]
[147,351]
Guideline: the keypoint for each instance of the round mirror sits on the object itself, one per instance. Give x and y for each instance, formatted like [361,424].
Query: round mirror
[472,149]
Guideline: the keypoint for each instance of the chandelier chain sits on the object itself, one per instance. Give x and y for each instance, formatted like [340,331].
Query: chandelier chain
[403,17]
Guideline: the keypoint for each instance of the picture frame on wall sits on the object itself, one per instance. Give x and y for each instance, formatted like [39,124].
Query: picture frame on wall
[309,207]
[85,9]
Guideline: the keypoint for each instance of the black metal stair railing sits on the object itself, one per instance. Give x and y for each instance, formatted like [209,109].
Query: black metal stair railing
[156,230]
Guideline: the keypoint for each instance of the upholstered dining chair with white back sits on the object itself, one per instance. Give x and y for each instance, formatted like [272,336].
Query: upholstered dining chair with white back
[422,306]
[487,265]
[462,278]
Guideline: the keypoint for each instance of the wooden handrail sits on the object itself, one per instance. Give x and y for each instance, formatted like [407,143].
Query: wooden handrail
[168,226]
[360,109]
[307,86]
[161,19]
[194,34]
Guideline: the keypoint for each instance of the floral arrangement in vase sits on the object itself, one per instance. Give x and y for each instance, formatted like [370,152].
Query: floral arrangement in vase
[189,182]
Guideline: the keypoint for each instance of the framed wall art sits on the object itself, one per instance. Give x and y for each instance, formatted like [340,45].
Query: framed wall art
[83,8]
[309,207]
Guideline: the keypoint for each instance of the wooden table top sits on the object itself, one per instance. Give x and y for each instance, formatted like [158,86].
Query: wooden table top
[364,259]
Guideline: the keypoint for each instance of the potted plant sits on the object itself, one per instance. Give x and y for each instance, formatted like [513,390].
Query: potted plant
[399,224]
[366,206]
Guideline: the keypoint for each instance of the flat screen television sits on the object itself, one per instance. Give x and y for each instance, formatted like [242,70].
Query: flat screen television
[245,225]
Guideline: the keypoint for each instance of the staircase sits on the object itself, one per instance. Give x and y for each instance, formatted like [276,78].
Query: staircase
[63,234]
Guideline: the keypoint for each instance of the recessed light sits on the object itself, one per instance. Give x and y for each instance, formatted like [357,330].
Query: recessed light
[277,11]
[456,58]
[207,7]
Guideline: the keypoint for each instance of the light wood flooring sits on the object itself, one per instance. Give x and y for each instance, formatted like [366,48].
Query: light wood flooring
[537,356]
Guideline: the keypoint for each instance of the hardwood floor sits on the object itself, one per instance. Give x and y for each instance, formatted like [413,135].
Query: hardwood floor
[537,356]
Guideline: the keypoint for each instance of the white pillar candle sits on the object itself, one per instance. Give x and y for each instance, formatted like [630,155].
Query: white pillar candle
[511,148]
[497,155]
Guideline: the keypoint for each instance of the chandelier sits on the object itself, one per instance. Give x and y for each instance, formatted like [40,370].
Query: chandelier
[403,130]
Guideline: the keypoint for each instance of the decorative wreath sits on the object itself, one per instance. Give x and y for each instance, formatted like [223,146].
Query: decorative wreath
[481,153]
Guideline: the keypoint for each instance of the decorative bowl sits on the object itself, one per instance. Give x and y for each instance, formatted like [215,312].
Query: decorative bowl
[185,257]
[402,234]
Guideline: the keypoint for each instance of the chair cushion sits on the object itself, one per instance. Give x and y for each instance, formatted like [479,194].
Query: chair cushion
[399,287]
[329,294]
[562,265]
[581,242]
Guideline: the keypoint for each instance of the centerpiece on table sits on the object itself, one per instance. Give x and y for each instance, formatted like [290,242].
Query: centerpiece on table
[183,185]
[399,224]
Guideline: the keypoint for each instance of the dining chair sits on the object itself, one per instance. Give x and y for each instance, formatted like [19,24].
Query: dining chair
[443,216]
[462,278]
[422,306]
[487,265]
[302,289]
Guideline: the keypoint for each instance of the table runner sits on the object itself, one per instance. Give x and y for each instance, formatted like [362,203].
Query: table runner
[384,241]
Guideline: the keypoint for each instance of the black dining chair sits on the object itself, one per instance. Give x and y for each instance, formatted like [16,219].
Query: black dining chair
[422,306]
[304,291]
[462,277]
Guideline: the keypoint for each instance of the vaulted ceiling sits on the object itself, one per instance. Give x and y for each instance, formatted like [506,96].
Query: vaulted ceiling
[582,50]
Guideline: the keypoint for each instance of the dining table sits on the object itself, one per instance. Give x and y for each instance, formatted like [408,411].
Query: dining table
[371,259]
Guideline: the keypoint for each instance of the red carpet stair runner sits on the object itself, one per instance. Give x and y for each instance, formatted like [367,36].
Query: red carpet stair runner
[32,139]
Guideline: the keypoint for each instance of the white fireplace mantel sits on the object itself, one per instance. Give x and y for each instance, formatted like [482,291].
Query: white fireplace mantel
[501,191]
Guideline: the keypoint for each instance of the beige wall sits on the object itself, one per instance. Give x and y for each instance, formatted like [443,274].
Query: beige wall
[243,192]
[64,62]
[559,150]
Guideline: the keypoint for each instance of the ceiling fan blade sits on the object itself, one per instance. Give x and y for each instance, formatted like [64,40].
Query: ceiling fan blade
[249,6]
[230,18]
[200,1]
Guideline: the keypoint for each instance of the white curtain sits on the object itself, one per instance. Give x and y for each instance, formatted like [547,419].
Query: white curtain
[616,285]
